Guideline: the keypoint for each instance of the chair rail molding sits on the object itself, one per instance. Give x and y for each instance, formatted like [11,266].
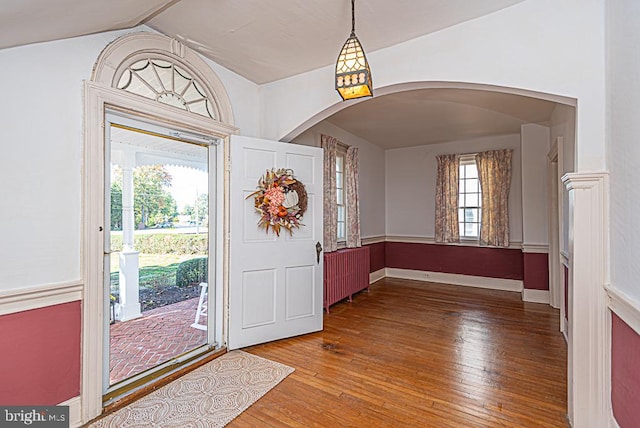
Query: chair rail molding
[625,307]
[535,248]
[589,338]
[39,296]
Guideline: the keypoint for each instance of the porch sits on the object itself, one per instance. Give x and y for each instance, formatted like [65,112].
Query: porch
[157,336]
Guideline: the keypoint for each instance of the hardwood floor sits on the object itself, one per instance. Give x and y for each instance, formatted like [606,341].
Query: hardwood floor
[415,354]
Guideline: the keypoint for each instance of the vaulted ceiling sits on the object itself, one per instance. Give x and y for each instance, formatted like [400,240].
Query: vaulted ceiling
[270,40]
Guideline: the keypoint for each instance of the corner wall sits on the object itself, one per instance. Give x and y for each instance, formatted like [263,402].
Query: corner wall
[623,150]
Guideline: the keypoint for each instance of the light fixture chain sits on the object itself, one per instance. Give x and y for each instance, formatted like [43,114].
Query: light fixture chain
[353,18]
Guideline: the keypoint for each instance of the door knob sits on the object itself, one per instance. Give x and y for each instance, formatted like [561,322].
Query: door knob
[318,251]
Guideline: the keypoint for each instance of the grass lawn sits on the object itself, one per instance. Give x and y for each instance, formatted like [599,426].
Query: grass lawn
[156,270]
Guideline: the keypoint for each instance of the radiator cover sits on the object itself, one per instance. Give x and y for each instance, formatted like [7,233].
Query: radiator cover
[345,273]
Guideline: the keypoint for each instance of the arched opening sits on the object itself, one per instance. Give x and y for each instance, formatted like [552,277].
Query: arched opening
[429,114]
[402,129]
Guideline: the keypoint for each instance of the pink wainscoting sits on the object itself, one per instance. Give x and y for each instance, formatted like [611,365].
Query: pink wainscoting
[625,373]
[503,263]
[40,355]
[376,251]
[536,271]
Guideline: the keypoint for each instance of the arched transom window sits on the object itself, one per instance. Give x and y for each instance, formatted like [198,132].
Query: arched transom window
[168,83]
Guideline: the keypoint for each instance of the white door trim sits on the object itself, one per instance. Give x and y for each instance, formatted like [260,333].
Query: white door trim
[589,378]
[98,99]
[553,168]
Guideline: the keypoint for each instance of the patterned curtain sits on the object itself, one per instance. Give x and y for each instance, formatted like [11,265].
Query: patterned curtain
[330,235]
[494,172]
[447,187]
[353,206]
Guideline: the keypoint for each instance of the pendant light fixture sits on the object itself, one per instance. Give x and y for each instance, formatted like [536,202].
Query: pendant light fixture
[353,76]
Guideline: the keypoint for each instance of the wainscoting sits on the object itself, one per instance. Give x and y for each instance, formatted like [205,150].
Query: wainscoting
[518,268]
[625,354]
[40,362]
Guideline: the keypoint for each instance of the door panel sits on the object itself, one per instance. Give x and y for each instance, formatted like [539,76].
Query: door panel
[300,282]
[275,282]
[258,298]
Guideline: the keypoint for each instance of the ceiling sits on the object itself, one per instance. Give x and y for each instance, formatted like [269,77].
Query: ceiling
[266,41]
[429,116]
[261,40]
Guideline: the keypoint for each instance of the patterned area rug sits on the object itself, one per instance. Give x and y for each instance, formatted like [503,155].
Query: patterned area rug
[209,396]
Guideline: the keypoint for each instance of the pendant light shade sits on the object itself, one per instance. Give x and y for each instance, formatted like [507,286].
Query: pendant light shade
[353,76]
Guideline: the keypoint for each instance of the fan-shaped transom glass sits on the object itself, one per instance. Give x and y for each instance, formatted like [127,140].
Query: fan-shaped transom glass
[168,83]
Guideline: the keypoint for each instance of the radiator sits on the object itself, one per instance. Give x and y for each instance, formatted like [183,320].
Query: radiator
[345,273]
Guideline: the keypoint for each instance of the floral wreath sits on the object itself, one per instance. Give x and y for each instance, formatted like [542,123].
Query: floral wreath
[281,200]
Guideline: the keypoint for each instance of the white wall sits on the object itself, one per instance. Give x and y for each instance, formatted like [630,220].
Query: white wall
[539,45]
[244,96]
[371,175]
[624,143]
[40,167]
[411,183]
[534,150]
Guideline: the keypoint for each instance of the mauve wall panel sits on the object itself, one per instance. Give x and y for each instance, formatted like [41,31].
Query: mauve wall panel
[376,251]
[625,373]
[40,358]
[502,263]
[536,271]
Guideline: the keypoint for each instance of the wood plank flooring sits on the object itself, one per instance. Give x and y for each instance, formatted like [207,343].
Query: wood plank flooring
[416,354]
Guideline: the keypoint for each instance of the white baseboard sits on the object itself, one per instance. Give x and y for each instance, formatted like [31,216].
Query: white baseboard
[456,279]
[535,296]
[40,296]
[75,411]
[376,276]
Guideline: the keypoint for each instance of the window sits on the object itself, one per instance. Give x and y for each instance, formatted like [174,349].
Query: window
[469,199]
[341,194]
[167,83]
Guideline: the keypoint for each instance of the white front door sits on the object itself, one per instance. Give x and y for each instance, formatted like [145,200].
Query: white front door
[275,282]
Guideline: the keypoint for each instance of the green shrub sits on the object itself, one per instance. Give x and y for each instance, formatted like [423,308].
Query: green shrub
[165,243]
[193,271]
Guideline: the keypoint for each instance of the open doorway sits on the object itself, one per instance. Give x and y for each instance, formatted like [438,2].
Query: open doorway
[158,248]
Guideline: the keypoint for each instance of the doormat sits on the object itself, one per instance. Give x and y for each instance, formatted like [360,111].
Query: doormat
[209,396]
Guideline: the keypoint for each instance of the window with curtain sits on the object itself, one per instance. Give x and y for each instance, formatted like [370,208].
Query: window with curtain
[341,205]
[472,197]
[341,195]
[469,199]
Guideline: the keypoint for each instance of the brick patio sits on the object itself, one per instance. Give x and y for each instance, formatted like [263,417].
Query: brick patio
[159,335]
